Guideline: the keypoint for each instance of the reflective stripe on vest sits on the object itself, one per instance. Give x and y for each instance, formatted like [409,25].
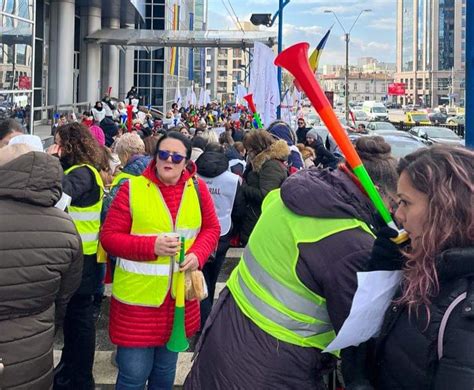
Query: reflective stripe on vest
[223,189]
[265,284]
[303,329]
[146,283]
[87,219]
[286,296]
[143,268]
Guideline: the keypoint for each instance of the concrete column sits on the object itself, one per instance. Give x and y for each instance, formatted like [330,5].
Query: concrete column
[89,76]
[61,52]
[126,69]
[111,61]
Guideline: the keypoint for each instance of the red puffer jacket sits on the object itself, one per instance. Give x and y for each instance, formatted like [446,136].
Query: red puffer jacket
[138,326]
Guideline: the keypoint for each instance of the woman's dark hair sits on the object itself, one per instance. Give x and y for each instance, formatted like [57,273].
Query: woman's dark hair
[199,142]
[178,136]
[78,146]
[258,141]
[376,155]
[445,174]
[214,147]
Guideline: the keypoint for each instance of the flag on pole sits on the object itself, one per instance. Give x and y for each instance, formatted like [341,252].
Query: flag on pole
[174,63]
[316,54]
[177,97]
[202,97]
[191,51]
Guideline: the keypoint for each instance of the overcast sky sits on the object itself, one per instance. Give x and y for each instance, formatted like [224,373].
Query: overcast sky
[304,20]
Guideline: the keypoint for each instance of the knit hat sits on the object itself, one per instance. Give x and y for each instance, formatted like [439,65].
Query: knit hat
[98,134]
[31,140]
[281,130]
[313,134]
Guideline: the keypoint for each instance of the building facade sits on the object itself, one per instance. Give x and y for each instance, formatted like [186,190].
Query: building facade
[362,86]
[431,41]
[226,68]
[159,71]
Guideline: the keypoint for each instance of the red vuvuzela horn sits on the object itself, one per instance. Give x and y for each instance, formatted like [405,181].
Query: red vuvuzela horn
[295,60]
[249,99]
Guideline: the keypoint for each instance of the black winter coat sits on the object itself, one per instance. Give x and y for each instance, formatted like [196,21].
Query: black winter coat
[40,268]
[407,356]
[81,186]
[266,173]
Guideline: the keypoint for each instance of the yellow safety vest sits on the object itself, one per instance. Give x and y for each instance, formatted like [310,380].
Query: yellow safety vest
[265,284]
[146,283]
[87,219]
[121,176]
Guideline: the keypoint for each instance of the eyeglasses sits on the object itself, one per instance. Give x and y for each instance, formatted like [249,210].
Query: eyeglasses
[175,157]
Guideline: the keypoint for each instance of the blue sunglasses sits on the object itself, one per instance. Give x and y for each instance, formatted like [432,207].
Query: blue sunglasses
[175,157]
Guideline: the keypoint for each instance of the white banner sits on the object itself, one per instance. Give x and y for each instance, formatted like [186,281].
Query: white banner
[264,83]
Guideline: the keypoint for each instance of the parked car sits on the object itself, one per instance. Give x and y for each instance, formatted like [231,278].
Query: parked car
[374,126]
[441,135]
[417,117]
[361,115]
[437,117]
[456,120]
[401,142]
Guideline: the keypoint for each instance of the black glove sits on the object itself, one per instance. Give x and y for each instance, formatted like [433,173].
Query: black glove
[386,255]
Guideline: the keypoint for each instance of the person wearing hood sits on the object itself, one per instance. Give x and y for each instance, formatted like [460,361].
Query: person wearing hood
[224,186]
[323,156]
[266,170]
[293,287]
[110,129]
[40,265]
[281,130]
[140,229]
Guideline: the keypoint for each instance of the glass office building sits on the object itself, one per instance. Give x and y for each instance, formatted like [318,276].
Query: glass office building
[431,51]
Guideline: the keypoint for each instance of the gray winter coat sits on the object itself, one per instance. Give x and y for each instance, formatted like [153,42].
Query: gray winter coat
[40,268]
[236,354]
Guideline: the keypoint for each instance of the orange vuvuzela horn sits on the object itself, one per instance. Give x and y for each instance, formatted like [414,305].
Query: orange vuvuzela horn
[252,107]
[295,60]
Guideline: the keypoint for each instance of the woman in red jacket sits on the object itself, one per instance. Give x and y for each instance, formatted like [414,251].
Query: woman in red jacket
[166,198]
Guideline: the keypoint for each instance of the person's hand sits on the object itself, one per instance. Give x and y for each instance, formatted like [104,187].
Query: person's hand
[190,263]
[167,246]
[386,255]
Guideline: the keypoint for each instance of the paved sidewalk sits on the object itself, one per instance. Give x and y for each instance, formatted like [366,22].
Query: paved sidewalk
[105,373]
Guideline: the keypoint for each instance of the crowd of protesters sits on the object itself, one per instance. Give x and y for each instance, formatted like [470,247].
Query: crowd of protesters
[107,201]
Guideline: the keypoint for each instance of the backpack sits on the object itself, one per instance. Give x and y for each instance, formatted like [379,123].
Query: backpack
[467,311]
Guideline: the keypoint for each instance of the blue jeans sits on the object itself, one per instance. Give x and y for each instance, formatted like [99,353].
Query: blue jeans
[136,366]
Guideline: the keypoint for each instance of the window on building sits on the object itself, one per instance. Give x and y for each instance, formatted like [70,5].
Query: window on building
[355,87]
[236,64]
[367,87]
[407,35]
[237,52]
[222,62]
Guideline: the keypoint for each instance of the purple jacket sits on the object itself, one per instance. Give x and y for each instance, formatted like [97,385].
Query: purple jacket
[234,353]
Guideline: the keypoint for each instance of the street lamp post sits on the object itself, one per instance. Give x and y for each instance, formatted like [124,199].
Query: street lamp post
[347,38]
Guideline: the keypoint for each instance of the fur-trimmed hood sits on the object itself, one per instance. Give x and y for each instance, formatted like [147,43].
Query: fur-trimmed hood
[277,151]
